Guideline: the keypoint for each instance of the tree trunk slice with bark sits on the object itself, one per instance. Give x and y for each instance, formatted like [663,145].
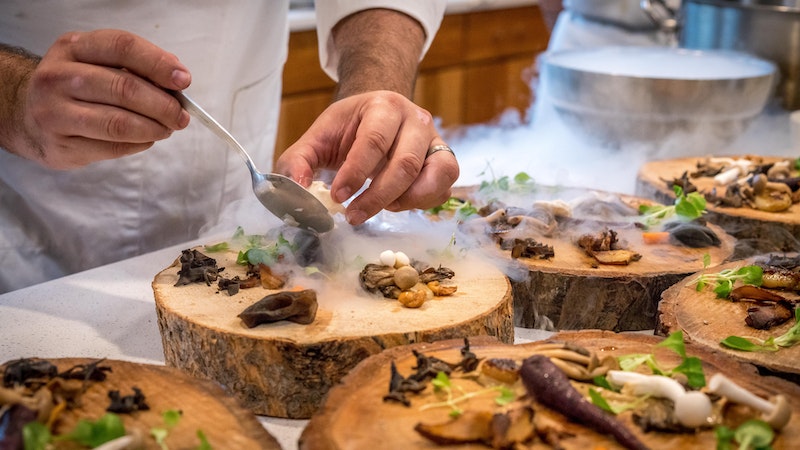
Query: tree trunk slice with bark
[355,417]
[570,291]
[204,405]
[706,320]
[757,231]
[285,369]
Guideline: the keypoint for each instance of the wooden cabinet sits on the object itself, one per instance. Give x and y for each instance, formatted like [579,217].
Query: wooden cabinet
[479,65]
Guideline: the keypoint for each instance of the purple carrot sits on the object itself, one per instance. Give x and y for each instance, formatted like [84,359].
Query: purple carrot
[545,382]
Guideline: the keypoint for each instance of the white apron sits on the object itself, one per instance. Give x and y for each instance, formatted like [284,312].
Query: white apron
[56,223]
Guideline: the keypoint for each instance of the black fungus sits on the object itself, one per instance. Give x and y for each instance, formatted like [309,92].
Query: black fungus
[127,404]
[692,234]
[197,268]
[295,306]
[21,370]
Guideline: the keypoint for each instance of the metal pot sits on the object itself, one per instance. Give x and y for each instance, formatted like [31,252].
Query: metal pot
[765,28]
[650,95]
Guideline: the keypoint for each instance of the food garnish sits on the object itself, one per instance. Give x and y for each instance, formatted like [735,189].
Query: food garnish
[724,280]
[752,434]
[691,367]
[772,344]
[686,206]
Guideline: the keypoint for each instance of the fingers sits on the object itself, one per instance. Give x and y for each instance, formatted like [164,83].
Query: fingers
[105,87]
[380,136]
[114,48]
[404,161]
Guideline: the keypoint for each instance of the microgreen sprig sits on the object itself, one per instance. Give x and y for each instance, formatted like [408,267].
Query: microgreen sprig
[771,344]
[724,280]
[461,208]
[442,383]
[690,366]
[753,434]
[688,207]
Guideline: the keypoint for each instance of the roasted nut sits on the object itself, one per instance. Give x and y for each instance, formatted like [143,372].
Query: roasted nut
[412,299]
[442,290]
[406,277]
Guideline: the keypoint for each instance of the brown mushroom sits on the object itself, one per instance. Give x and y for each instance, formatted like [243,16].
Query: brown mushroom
[295,306]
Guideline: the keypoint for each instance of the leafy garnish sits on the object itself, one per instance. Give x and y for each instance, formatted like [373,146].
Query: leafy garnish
[687,207]
[690,366]
[220,247]
[461,208]
[724,280]
[521,182]
[35,436]
[94,433]
[605,405]
[753,434]
[171,418]
[442,383]
[771,344]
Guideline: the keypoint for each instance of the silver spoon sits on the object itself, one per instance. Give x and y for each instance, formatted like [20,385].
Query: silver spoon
[281,195]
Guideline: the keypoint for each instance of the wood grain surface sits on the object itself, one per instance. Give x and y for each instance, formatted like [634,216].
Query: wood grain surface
[354,417]
[204,405]
[285,369]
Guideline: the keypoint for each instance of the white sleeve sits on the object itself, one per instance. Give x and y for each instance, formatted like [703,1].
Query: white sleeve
[428,13]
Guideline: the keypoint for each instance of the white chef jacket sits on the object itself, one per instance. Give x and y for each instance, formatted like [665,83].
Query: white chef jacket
[53,223]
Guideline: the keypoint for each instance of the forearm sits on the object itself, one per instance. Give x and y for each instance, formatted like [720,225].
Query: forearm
[379,50]
[16,66]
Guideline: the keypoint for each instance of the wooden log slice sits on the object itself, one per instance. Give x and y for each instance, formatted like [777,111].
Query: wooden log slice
[285,369]
[757,231]
[570,291]
[707,320]
[355,417]
[204,405]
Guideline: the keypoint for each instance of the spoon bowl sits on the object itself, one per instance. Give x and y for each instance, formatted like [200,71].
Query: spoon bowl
[282,196]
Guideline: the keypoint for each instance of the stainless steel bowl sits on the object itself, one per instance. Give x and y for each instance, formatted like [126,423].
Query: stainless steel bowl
[618,95]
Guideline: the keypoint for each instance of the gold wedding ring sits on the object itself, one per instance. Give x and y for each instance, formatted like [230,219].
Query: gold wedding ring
[439,148]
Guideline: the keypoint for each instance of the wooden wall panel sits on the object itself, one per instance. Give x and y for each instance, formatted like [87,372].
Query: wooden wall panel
[478,66]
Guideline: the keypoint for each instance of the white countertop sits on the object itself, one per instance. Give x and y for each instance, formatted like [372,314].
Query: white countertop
[109,312]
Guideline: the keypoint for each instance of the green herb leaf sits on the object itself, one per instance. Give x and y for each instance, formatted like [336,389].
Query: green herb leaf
[35,436]
[204,444]
[505,397]
[692,367]
[602,382]
[739,343]
[95,433]
[792,335]
[754,434]
[599,401]
[675,343]
[441,381]
[687,207]
[724,280]
[724,437]
[222,246]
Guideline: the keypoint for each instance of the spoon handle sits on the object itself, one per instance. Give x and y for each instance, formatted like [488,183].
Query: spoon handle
[195,110]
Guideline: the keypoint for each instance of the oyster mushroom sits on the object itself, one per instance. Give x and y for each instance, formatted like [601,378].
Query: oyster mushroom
[776,412]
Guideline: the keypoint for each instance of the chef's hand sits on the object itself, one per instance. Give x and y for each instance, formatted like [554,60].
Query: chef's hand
[97,95]
[379,135]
